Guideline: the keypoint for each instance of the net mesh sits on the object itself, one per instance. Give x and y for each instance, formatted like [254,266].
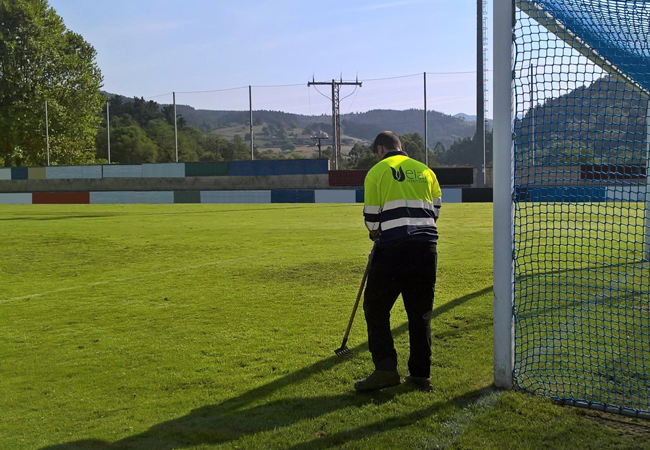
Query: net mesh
[581,223]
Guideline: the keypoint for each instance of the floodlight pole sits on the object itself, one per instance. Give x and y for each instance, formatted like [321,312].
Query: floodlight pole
[175,126]
[503,24]
[426,148]
[250,109]
[480,82]
[108,129]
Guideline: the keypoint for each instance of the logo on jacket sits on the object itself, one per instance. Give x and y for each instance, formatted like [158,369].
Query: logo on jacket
[412,176]
[399,176]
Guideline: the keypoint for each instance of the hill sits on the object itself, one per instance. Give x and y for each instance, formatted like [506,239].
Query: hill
[602,123]
[362,126]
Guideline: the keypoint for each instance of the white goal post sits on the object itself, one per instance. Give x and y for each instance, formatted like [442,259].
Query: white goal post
[505,199]
[503,16]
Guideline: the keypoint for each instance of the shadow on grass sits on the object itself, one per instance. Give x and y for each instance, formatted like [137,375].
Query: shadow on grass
[241,416]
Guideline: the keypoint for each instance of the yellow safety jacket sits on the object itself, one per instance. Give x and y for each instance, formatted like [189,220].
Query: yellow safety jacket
[402,199]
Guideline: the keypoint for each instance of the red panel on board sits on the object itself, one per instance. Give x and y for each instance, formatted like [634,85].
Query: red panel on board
[61,198]
[347,177]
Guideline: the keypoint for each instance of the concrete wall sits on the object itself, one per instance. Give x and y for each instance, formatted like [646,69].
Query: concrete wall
[228,183]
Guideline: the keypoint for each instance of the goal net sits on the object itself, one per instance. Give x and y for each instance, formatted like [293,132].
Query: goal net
[580,198]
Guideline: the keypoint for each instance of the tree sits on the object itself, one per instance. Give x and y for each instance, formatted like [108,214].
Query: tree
[413,145]
[42,61]
[468,152]
[366,162]
[162,134]
[131,145]
[213,148]
[168,113]
[240,151]
[190,143]
[356,152]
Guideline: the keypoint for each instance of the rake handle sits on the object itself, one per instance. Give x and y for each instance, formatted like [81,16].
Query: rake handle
[356,304]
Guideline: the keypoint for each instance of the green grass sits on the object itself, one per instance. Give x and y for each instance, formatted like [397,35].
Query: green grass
[581,300]
[214,326]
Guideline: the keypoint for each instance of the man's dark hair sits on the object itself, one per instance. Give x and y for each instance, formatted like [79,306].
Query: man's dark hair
[386,139]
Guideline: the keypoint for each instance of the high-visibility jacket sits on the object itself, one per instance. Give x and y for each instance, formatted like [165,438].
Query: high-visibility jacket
[402,199]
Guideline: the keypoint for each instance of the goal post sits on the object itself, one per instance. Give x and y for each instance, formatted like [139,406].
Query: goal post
[571,196]
[503,14]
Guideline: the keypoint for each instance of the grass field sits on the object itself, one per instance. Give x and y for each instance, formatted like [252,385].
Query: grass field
[582,315]
[214,326]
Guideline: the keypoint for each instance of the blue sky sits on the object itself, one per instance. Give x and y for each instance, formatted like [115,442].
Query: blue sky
[210,51]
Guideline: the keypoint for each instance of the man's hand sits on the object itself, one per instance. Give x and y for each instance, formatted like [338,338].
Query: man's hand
[374,234]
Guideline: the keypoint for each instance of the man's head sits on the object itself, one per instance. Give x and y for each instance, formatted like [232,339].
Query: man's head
[385,142]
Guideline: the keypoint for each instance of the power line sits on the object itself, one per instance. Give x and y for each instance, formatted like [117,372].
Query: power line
[302,84]
[280,85]
[213,90]
[159,95]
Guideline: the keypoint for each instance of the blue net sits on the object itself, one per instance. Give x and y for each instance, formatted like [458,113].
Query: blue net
[581,217]
[618,30]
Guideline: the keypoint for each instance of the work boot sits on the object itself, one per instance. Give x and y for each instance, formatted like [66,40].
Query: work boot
[421,383]
[379,379]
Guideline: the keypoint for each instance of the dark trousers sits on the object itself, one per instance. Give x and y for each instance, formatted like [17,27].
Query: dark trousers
[407,268]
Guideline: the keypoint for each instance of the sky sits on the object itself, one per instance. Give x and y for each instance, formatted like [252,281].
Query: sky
[208,52]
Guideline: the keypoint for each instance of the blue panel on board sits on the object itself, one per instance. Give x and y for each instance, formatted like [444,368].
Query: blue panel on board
[282,167]
[165,170]
[335,196]
[64,172]
[19,173]
[92,171]
[21,198]
[560,194]
[452,195]
[292,196]
[122,171]
[625,193]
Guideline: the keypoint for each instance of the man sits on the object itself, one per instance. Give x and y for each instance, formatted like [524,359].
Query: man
[401,206]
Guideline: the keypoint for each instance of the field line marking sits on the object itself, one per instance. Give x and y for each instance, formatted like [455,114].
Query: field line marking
[120,280]
[453,428]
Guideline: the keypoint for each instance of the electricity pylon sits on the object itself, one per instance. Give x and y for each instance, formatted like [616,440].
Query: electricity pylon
[336,119]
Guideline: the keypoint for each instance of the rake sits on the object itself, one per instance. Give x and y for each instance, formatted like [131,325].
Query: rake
[343,351]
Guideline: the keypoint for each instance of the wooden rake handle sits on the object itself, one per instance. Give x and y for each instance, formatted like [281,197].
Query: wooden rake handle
[356,303]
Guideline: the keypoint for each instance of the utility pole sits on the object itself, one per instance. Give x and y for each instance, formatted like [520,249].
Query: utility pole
[336,119]
[321,136]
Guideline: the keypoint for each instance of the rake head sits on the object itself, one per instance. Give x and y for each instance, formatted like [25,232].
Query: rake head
[343,351]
